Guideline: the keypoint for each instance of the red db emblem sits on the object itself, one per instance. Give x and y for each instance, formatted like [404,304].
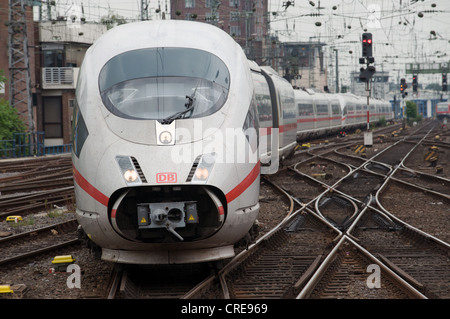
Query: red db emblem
[166,177]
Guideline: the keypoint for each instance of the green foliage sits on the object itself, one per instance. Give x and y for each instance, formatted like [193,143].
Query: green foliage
[382,122]
[10,121]
[112,20]
[411,109]
[411,113]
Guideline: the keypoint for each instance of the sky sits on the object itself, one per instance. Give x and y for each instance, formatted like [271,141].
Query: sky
[400,35]
[404,31]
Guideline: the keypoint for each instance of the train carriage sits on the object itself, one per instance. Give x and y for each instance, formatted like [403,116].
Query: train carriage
[443,110]
[156,180]
[172,128]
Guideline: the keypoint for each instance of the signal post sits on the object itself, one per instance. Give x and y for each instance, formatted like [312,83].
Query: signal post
[403,87]
[366,75]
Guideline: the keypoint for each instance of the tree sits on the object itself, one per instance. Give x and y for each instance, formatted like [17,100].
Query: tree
[411,112]
[10,121]
[411,109]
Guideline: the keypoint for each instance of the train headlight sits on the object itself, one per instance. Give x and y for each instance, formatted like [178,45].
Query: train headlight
[130,175]
[204,168]
[165,137]
[129,171]
[202,174]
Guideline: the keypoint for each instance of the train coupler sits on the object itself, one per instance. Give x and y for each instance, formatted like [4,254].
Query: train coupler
[169,215]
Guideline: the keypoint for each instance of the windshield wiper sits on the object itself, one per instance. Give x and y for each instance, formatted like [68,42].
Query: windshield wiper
[179,115]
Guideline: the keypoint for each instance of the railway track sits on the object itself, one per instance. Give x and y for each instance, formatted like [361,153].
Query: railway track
[414,256]
[37,180]
[347,274]
[31,185]
[331,234]
[38,241]
[280,264]
[26,203]
[343,272]
[176,281]
[21,165]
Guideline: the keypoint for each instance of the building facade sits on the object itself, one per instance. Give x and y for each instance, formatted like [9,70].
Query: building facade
[304,64]
[62,46]
[56,49]
[244,20]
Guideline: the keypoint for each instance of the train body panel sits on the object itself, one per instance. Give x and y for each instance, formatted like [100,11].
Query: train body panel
[172,128]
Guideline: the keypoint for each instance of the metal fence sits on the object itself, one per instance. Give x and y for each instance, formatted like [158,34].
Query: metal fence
[30,144]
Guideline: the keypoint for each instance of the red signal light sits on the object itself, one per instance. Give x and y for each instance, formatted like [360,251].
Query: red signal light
[369,41]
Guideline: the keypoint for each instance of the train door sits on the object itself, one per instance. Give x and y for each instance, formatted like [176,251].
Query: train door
[322,115]
[336,116]
[351,113]
[266,100]
[305,109]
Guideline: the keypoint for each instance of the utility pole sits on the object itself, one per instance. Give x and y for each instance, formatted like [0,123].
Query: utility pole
[144,10]
[337,71]
[19,62]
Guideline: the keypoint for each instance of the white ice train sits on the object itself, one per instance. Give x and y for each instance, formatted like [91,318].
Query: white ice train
[172,128]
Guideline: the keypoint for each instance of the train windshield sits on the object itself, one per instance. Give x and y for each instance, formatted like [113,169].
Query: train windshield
[164,84]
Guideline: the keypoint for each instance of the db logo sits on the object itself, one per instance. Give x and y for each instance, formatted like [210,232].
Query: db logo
[166,177]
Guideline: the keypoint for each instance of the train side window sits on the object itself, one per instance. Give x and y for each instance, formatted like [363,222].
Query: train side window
[305,109]
[322,109]
[335,109]
[262,97]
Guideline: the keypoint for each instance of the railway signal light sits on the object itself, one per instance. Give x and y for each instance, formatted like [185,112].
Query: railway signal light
[403,87]
[444,81]
[414,83]
[367,44]
[366,74]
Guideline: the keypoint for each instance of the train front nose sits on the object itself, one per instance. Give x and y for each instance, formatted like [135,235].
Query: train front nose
[171,213]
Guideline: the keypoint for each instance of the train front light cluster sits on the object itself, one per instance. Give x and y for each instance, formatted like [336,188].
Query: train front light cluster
[129,172]
[204,168]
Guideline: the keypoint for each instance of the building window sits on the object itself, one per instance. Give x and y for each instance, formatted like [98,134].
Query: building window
[234,16]
[52,116]
[208,3]
[235,30]
[53,58]
[211,17]
[189,3]
[235,3]
[190,16]
[53,55]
